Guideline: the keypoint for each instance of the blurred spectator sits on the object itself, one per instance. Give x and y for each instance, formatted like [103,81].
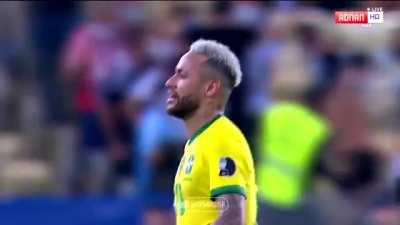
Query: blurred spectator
[291,140]
[159,143]
[257,61]
[49,26]
[343,106]
[5,90]
[158,138]
[247,13]
[395,176]
[384,92]
[257,64]
[357,164]
[388,64]
[99,64]
[288,189]
[154,131]
[384,208]
[153,49]
[15,63]
[359,159]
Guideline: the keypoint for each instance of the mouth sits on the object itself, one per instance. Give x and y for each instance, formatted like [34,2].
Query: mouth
[172,97]
[170,100]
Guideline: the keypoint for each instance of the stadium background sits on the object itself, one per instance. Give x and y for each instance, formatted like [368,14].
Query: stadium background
[49,137]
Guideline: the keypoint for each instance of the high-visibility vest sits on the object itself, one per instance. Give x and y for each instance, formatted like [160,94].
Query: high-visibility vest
[290,139]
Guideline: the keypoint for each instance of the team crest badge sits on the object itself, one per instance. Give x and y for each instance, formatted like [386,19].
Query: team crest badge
[226,166]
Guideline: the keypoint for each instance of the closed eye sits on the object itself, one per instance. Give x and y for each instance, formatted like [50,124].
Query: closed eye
[181,73]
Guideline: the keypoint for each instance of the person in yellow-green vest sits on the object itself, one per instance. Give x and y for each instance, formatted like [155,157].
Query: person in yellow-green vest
[291,138]
[295,135]
[295,142]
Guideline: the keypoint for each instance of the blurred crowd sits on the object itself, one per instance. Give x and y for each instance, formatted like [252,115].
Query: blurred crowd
[82,94]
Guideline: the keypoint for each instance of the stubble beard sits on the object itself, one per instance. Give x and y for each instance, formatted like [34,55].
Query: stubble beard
[184,108]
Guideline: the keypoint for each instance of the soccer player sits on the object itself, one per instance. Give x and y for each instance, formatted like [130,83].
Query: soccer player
[215,181]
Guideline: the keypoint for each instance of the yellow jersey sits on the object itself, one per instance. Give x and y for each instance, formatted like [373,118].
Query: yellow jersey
[216,161]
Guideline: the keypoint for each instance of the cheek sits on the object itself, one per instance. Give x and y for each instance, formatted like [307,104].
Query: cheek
[186,87]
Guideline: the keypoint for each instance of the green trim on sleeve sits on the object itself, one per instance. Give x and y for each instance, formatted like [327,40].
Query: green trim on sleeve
[230,189]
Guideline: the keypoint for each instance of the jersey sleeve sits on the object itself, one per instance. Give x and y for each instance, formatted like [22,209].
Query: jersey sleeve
[226,170]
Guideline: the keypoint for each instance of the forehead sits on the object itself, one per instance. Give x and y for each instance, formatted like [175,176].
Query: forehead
[190,61]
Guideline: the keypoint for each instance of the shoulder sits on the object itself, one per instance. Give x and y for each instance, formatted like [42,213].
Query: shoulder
[225,137]
[226,130]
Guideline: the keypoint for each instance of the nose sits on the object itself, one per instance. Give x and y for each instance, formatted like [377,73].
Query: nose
[170,82]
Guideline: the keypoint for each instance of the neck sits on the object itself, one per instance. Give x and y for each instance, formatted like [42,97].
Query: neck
[199,118]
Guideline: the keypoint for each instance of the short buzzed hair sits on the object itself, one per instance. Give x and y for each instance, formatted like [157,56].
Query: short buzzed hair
[221,58]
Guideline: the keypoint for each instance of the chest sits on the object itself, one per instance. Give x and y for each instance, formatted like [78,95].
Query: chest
[192,175]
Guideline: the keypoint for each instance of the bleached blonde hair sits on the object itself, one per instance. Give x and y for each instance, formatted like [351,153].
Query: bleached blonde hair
[220,57]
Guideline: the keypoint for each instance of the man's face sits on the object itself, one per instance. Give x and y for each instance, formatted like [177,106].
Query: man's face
[185,86]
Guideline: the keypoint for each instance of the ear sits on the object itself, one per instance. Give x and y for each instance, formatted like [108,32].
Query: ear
[212,88]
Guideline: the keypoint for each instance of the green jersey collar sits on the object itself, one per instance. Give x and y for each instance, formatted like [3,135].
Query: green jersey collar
[203,128]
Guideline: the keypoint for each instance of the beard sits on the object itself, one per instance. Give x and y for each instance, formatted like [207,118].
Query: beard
[184,107]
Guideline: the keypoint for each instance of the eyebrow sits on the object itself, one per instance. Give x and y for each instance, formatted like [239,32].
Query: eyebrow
[179,70]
